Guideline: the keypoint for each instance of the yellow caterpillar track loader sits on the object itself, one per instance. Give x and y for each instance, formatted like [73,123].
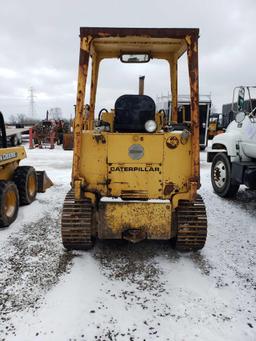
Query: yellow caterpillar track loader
[18,184]
[135,175]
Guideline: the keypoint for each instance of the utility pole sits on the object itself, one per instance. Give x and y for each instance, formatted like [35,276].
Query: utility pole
[32,101]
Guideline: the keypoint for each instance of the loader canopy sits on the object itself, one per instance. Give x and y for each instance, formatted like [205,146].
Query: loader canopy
[166,44]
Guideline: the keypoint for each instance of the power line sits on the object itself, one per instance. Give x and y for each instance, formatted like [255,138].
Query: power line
[32,101]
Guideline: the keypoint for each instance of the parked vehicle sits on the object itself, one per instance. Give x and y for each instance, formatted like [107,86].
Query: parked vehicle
[18,184]
[135,176]
[215,125]
[184,113]
[233,153]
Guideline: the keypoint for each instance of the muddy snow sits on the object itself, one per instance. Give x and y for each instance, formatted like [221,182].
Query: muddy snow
[121,291]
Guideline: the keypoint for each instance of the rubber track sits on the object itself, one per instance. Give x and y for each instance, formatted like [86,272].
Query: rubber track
[76,223]
[191,225]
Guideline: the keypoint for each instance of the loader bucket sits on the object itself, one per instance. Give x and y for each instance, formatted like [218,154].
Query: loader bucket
[43,181]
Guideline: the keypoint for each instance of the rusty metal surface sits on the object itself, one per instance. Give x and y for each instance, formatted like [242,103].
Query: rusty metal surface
[94,83]
[128,31]
[172,142]
[79,117]
[76,223]
[194,91]
[83,57]
[168,188]
[174,88]
[154,219]
[191,222]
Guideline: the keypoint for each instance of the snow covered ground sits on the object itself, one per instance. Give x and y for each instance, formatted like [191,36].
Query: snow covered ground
[120,291]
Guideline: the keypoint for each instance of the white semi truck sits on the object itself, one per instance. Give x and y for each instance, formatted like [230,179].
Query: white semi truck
[233,153]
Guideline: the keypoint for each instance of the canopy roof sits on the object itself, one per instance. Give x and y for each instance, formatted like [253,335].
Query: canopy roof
[158,42]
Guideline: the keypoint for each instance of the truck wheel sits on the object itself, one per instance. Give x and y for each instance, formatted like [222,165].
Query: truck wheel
[222,182]
[9,202]
[25,179]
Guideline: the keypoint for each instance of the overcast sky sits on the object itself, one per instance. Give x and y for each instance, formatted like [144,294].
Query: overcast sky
[39,48]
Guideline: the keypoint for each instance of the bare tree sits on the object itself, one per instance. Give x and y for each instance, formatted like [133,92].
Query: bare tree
[22,119]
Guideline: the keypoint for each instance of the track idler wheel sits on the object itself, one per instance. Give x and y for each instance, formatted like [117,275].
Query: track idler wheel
[191,224]
[76,223]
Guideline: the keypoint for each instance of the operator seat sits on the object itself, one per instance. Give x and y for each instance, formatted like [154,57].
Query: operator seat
[132,112]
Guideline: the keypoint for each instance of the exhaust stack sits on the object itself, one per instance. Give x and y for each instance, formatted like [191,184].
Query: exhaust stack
[141,85]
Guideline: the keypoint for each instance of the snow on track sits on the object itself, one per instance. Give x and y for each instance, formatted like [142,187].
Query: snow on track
[121,291]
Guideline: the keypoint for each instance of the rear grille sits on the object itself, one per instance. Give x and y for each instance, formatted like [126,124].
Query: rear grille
[134,194]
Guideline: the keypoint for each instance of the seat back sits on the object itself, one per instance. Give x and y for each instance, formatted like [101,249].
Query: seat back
[132,112]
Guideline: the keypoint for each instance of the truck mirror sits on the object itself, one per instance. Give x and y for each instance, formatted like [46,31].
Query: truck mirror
[240,100]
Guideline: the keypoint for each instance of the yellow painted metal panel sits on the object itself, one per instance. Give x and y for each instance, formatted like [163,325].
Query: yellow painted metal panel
[166,172]
[135,181]
[7,171]
[11,154]
[176,166]
[93,163]
[153,218]
[9,161]
[119,144]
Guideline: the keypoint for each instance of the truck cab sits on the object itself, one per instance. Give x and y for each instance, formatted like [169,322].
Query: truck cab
[233,153]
